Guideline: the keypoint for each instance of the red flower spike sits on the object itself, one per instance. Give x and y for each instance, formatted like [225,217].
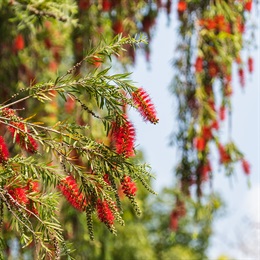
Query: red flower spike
[128,186]
[145,105]
[182,6]
[241,76]
[213,69]
[174,219]
[224,156]
[199,64]
[104,213]
[19,42]
[84,4]
[246,167]
[250,64]
[70,190]
[206,132]
[124,137]
[106,5]
[19,194]
[205,170]
[248,5]
[222,113]
[4,154]
[199,143]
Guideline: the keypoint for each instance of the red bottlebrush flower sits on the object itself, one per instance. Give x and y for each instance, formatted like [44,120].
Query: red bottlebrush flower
[118,27]
[84,4]
[246,166]
[128,186]
[174,219]
[124,137]
[106,5]
[182,6]
[215,125]
[213,69]
[199,64]
[25,140]
[104,213]
[199,143]
[19,42]
[224,156]
[241,76]
[250,64]
[145,105]
[19,194]
[4,154]
[106,179]
[206,132]
[248,5]
[222,113]
[70,190]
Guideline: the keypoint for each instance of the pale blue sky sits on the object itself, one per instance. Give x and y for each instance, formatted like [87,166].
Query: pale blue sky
[242,203]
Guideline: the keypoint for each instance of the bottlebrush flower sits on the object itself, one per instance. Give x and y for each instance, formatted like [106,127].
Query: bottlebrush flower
[70,190]
[19,194]
[199,143]
[19,42]
[248,5]
[199,64]
[246,166]
[241,76]
[206,132]
[128,186]
[174,219]
[222,113]
[182,6]
[205,170]
[213,69]
[22,137]
[18,129]
[145,105]
[106,5]
[104,213]
[4,154]
[224,156]
[250,64]
[124,137]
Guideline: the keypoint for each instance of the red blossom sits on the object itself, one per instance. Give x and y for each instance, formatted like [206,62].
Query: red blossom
[250,64]
[199,64]
[215,125]
[19,42]
[84,4]
[71,192]
[224,156]
[205,170]
[206,132]
[106,5]
[104,213]
[128,186]
[182,6]
[124,137]
[4,153]
[174,219]
[246,166]
[213,69]
[241,76]
[248,5]
[19,194]
[199,143]
[145,105]
[222,113]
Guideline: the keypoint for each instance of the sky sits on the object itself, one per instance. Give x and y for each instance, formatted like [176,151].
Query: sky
[238,230]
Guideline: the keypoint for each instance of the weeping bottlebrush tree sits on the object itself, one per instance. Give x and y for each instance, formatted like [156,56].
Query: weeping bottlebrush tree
[212,37]
[64,125]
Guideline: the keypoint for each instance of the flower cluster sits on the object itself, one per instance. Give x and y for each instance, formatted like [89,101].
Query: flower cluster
[71,192]
[104,213]
[128,186]
[145,105]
